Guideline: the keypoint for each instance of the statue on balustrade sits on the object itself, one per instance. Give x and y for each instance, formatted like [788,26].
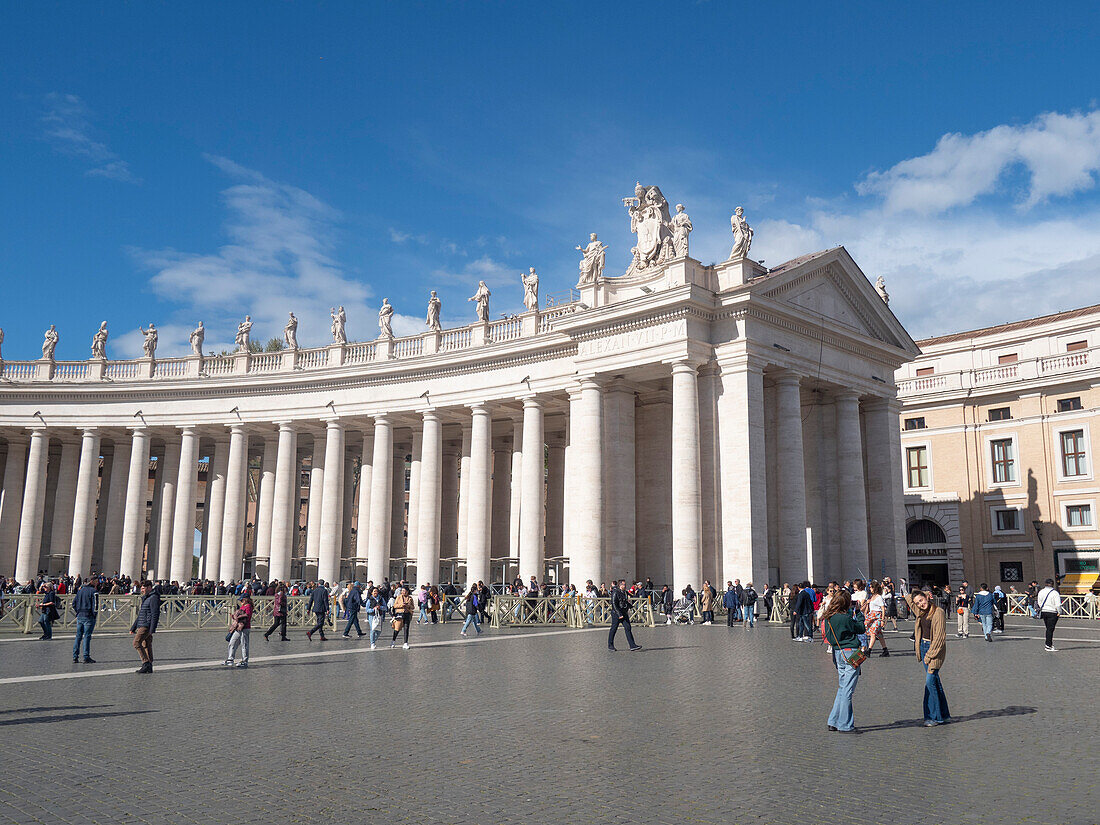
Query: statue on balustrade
[244,330]
[434,307]
[594,256]
[880,288]
[385,319]
[49,345]
[99,342]
[197,336]
[651,222]
[681,228]
[482,298]
[530,289]
[742,235]
[149,345]
[290,333]
[339,319]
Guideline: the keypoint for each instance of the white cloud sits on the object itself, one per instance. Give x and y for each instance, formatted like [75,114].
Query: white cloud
[278,260]
[68,128]
[1060,153]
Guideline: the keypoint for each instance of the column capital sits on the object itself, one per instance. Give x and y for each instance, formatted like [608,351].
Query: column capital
[686,365]
[90,431]
[333,424]
[430,414]
[479,408]
[879,402]
[237,429]
[787,378]
[741,361]
[846,395]
[382,419]
[285,426]
[532,401]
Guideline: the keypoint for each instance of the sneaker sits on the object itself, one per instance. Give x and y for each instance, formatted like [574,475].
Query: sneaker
[884,654]
[372,647]
[406,645]
[228,663]
[989,637]
[930,723]
[463,634]
[88,660]
[612,650]
[242,664]
[346,636]
[636,647]
[1051,648]
[309,635]
[393,645]
[76,659]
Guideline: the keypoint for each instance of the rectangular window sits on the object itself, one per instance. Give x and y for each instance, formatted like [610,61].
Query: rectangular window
[914,423]
[1004,461]
[917,463]
[1000,413]
[1010,358]
[1008,521]
[922,371]
[1078,515]
[1073,453]
[1012,571]
[1076,345]
[1069,404]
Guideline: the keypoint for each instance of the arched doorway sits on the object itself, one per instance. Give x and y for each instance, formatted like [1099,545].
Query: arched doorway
[926,543]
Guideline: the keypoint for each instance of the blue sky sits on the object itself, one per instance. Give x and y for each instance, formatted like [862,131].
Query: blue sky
[171,162]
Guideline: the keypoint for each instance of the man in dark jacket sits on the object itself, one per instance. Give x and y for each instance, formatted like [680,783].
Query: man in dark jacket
[86,608]
[731,602]
[353,601]
[145,626]
[620,614]
[748,606]
[804,609]
[318,606]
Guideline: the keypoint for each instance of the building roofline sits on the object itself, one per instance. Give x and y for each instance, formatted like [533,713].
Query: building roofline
[1011,326]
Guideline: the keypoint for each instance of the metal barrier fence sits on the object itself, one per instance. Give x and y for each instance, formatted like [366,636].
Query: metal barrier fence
[567,611]
[1085,606]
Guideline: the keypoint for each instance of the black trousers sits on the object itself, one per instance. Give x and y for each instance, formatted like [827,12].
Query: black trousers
[1050,620]
[796,629]
[406,618]
[320,626]
[280,622]
[615,622]
[729,616]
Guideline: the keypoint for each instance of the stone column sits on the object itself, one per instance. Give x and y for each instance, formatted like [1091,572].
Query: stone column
[34,495]
[265,505]
[687,523]
[347,539]
[884,490]
[464,492]
[397,504]
[555,496]
[236,498]
[448,520]
[619,481]
[532,514]
[851,493]
[165,509]
[217,485]
[790,479]
[362,521]
[116,505]
[586,556]
[285,503]
[430,498]
[137,498]
[183,521]
[80,546]
[742,483]
[11,503]
[517,490]
[332,512]
[316,501]
[64,508]
[381,510]
[502,501]
[477,517]
[414,500]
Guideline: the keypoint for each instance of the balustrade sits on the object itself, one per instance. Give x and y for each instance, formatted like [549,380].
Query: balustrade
[171,368]
[70,370]
[360,353]
[408,347]
[266,362]
[19,370]
[309,359]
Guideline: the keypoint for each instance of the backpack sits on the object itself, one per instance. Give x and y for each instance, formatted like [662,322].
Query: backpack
[750,597]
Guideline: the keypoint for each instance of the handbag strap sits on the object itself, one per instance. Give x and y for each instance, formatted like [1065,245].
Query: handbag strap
[829,626]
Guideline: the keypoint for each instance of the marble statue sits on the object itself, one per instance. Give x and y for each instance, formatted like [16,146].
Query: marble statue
[149,345]
[482,298]
[880,288]
[530,289]
[49,345]
[339,319]
[244,329]
[650,221]
[681,228]
[290,333]
[592,263]
[385,319]
[742,235]
[434,307]
[99,342]
[196,338]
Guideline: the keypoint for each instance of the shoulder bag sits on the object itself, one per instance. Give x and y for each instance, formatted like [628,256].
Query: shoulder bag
[856,657]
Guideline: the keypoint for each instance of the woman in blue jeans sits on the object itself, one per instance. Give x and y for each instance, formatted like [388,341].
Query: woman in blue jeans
[842,632]
[930,637]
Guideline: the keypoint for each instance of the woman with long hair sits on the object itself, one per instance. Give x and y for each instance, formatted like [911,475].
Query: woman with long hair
[874,612]
[842,632]
[278,613]
[472,611]
[434,600]
[402,615]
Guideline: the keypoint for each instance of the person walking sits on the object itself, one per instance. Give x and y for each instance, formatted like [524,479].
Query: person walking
[1000,607]
[319,607]
[620,615]
[241,632]
[962,610]
[931,650]
[748,606]
[48,604]
[434,601]
[1033,599]
[353,603]
[890,602]
[1050,605]
[666,603]
[376,611]
[731,603]
[422,603]
[483,596]
[278,613]
[875,616]
[86,608]
[804,608]
[983,609]
[842,633]
[402,615]
[145,625]
[472,612]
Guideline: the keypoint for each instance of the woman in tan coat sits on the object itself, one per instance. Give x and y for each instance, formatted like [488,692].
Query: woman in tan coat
[706,604]
[931,647]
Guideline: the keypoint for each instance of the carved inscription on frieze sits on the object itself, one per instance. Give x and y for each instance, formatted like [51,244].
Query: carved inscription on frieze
[633,340]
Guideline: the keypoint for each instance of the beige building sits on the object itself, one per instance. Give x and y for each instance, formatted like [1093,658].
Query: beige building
[998,453]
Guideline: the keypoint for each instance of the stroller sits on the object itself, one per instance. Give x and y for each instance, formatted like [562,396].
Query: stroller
[683,611]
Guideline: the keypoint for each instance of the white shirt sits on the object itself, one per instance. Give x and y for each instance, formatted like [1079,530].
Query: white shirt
[859,596]
[1050,601]
[878,605]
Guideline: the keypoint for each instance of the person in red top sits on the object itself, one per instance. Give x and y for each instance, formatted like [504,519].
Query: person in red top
[239,631]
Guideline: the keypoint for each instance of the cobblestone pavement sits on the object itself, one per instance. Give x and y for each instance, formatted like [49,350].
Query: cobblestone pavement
[706,725]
